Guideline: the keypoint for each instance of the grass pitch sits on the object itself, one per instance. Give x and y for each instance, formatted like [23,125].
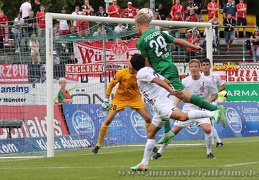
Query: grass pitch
[237,159]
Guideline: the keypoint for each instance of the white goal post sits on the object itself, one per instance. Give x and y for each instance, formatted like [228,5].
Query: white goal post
[49,56]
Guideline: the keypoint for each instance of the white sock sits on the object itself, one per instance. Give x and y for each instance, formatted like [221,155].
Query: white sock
[196,114]
[212,138]
[162,148]
[208,141]
[215,134]
[148,151]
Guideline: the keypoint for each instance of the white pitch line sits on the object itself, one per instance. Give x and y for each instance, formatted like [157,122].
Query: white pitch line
[18,158]
[241,164]
[21,157]
[94,167]
[171,145]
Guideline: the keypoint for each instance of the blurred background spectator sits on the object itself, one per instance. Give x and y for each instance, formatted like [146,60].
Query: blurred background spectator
[254,39]
[25,8]
[35,49]
[16,30]
[163,12]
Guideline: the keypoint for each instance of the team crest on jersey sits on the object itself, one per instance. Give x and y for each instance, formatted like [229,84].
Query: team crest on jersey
[83,124]
[138,124]
[202,88]
[234,120]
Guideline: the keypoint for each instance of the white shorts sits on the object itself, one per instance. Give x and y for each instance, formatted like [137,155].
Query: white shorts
[163,112]
[190,122]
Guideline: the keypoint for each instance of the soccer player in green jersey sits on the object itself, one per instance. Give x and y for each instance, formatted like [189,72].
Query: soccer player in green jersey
[153,46]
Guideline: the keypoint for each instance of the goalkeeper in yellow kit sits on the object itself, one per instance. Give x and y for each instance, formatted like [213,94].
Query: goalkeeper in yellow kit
[127,94]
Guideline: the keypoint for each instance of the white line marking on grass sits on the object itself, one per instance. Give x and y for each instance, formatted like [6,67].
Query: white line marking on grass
[20,157]
[171,145]
[95,167]
[241,164]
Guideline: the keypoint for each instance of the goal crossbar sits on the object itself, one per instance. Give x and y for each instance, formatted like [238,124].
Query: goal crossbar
[49,55]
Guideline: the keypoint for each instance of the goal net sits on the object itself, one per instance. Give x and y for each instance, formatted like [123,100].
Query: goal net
[99,58]
[88,58]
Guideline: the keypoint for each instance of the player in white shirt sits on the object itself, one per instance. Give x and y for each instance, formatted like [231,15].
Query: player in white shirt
[155,89]
[217,81]
[201,86]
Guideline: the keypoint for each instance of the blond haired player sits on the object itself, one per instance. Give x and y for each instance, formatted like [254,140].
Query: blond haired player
[153,46]
[127,94]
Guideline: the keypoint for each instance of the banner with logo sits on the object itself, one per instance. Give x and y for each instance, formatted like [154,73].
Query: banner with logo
[129,127]
[91,62]
[242,92]
[34,121]
[84,123]
[39,144]
[244,74]
[13,73]
[242,119]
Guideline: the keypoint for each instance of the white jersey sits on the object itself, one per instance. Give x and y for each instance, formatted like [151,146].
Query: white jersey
[202,87]
[152,92]
[217,81]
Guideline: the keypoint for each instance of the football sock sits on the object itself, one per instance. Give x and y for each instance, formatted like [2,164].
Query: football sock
[215,134]
[198,101]
[101,135]
[162,148]
[167,127]
[208,141]
[196,114]
[148,150]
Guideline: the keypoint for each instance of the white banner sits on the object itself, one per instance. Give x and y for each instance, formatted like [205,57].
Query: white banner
[35,94]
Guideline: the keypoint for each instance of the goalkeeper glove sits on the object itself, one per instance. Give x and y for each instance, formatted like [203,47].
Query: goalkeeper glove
[105,104]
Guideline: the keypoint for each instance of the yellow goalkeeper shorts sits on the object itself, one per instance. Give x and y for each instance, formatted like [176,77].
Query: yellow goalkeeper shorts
[119,105]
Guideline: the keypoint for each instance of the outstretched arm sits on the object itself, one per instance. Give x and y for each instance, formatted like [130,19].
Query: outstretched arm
[164,84]
[184,43]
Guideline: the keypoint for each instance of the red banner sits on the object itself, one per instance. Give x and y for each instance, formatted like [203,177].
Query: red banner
[13,73]
[91,58]
[34,119]
[241,72]
[244,74]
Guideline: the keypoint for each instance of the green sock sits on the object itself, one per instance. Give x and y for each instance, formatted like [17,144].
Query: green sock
[167,127]
[198,101]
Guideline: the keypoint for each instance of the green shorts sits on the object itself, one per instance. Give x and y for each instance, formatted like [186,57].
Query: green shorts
[171,73]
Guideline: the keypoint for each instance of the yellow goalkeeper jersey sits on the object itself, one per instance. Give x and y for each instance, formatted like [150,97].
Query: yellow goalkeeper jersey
[128,89]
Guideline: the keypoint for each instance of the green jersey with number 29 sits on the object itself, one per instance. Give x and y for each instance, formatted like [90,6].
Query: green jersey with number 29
[153,44]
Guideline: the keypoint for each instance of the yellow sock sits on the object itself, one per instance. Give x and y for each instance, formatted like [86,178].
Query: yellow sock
[101,135]
[147,126]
